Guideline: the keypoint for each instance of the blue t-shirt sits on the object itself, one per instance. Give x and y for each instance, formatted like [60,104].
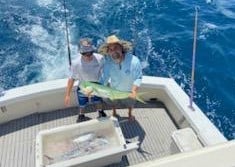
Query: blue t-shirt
[122,76]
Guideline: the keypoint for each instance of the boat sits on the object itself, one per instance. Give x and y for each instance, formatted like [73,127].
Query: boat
[169,132]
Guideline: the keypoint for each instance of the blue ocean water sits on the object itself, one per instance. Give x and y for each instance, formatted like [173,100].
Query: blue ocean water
[33,43]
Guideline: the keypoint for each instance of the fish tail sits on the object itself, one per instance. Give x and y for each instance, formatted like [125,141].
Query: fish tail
[140,100]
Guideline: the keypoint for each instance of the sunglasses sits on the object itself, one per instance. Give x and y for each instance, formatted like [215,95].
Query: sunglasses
[87,54]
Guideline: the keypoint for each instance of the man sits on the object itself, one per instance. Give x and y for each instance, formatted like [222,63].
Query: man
[122,69]
[87,67]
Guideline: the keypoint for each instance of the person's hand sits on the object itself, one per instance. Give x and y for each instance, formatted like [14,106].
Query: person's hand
[67,101]
[133,95]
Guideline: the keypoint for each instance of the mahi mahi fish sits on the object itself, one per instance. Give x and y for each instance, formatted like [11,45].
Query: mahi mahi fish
[105,91]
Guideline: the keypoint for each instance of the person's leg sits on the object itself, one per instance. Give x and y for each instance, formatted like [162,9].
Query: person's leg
[98,101]
[99,106]
[114,105]
[130,116]
[81,115]
[130,105]
[82,101]
[114,111]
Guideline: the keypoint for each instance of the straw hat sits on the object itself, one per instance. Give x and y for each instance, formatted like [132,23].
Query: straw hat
[103,49]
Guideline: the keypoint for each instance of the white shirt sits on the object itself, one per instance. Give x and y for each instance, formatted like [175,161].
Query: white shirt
[87,71]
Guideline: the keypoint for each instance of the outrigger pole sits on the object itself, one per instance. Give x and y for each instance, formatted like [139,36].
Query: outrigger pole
[67,34]
[193,60]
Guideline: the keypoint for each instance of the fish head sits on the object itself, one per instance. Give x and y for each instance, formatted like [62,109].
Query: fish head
[82,84]
[85,87]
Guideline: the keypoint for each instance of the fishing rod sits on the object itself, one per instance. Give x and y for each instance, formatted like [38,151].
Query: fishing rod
[2,91]
[193,60]
[134,28]
[67,34]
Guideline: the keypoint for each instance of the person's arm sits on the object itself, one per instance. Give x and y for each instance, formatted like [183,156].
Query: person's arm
[133,93]
[67,99]
[138,79]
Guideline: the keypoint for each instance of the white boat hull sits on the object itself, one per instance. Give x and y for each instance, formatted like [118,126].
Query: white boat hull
[49,96]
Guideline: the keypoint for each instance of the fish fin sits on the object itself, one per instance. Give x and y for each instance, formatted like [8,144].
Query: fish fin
[138,98]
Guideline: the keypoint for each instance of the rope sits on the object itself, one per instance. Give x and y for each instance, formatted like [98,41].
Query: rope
[67,34]
[193,60]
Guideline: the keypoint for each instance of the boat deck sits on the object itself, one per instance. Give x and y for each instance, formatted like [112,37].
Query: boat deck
[152,128]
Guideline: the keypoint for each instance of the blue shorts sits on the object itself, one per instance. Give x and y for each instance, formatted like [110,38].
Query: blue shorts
[83,100]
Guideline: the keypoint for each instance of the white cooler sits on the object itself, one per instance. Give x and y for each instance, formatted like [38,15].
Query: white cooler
[93,143]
